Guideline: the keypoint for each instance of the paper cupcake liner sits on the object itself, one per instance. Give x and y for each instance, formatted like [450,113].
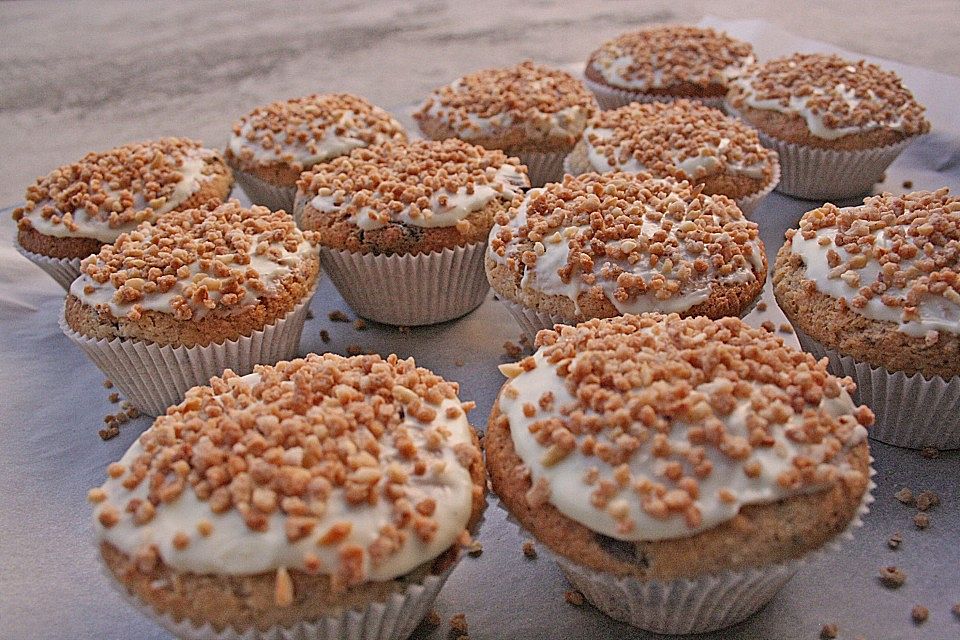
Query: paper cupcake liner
[542,166]
[394,619]
[263,193]
[912,411]
[410,290]
[827,174]
[747,205]
[63,270]
[695,605]
[611,98]
[153,377]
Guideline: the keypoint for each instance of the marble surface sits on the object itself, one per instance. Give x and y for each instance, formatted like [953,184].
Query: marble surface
[79,76]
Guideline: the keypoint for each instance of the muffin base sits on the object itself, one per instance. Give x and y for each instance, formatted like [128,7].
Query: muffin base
[63,270]
[612,98]
[153,377]
[410,290]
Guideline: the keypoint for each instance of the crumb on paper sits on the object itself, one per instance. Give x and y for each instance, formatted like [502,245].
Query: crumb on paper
[360,324]
[404,330]
[338,316]
[761,306]
[114,397]
[573,597]
[829,631]
[108,384]
[529,549]
[458,362]
[525,342]
[309,314]
[768,325]
[512,349]
[921,521]
[919,613]
[904,495]
[956,609]
[354,350]
[908,184]
[432,618]
[475,549]
[324,336]
[895,540]
[786,327]
[459,623]
[892,577]
[930,453]
[926,500]
[109,433]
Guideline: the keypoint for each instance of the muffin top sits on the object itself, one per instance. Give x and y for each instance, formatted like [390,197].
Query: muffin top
[424,183]
[647,244]
[358,468]
[218,258]
[660,57]
[109,192]
[654,427]
[893,258]
[835,97]
[543,102]
[304,131]
[682,139]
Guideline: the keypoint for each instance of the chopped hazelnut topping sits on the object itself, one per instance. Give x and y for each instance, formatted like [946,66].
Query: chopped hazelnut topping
[892,577]
[529,549]
[683,54]
[926,500]
[895,540]
[921,521]
[458,623]
[433,618]
[904,495]
[338,316]
[919,614]
[829,632]
[573,597]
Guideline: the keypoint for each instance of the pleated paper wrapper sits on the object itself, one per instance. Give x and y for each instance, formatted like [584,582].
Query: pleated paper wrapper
[542,166]
[263,193]
[747,204]
[695,605]
[912,411]
[611,98]
[410,290]
[394,619]
[63,270]
[153,377]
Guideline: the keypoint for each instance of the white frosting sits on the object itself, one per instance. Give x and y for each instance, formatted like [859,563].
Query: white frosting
[330,145]
[98,229]
[934,312]
[569,494]
[507,183]
[271,270]
[614,72]
[234,549]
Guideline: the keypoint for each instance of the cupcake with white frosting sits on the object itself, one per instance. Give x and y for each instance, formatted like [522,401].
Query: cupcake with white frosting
[173,303]
[664,63]
[876,288]
[272,145]
[530,111]
[836,124]
[73,211]
[684,140]
[601,245]
[680,469]
[403,228]
[321,497]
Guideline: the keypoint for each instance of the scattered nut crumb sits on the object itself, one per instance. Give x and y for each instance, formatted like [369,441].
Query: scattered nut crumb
[432,618]
[529,549]
[403,330]
[109,432]
[908,184]
[354,350]
[956,609]
[360,324]
[108,383]
[921,520]
[324,336]
[512,348]
[895,540]
[930,453]
[761,306]
[338,316]
[458,362]
[309,314]
[904,495]
[786,327]
[573,597]
[459,623]
[475,549]
[768,325]
[828,631]
[919,613]
[927,500]
[114,397]
[892,577]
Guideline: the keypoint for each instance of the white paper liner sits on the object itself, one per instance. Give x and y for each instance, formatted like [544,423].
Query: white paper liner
[63,270]
[394,619]
[912,411]
[542,166]
[827,174]
[410,290]
[611,98]
[263,193]
[694,605]
[153,377]
[747,205]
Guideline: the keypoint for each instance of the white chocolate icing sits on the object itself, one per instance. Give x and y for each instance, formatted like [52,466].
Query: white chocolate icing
[572,497]
[330,145]
[614,72]
[232,548]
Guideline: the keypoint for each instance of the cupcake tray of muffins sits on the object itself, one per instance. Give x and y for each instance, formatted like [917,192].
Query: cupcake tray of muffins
[650,473]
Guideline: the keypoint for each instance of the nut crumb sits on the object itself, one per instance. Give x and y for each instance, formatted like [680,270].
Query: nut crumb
[828,631]
[109,433]
[921,521]
[403,330]
[919,613]
[108,384]
[114,397]
[761,306]
[359,324]
[768,325]
[512,349]
[904,495]
[309,314]
[573,597]
[432,618]
[338,316]
[930,453]
[927,500]
[475,549]
[459,623]
[324,336]
[786,327]
[956,609]
[895,540]
[458,362]
[892,577]
[354,350]
[529,549]
[908,184]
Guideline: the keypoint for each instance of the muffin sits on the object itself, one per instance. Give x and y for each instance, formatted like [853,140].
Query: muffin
[600,245]
[73,211]
[663,63]
[403,227]
[876,288]
[836,124]
[684,140]
[528,110]
[316,498]
[681,470]
[175,302]
[272,145]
